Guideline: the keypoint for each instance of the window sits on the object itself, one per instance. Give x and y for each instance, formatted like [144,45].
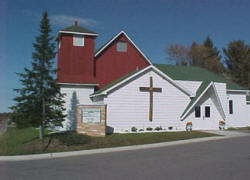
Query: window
[207,111]
[121,47]
[230,106]
[197,110]
[78,40]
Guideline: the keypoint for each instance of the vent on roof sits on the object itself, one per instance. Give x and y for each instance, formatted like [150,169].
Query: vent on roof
[76,23]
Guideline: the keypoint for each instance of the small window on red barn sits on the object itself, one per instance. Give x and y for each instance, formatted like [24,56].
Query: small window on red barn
[121,46]
[78,40]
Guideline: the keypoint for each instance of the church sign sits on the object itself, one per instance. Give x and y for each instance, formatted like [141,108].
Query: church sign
[91,120]
[91,115]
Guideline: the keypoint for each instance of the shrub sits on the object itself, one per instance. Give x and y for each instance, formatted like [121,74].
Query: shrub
[149,129]
[158,128]
[141,129]
[222,123]
[72,138]
[133,129]
[170,127]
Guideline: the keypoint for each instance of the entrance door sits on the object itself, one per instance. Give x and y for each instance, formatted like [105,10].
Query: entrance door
[205,120]
[206,112]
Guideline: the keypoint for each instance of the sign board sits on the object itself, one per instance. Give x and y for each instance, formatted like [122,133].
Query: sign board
[91,115]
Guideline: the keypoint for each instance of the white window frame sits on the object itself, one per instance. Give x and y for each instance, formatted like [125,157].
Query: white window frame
[76,39]
[122,42]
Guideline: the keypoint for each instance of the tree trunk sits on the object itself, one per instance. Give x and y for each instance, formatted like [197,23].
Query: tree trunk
[41,134]
[43,119]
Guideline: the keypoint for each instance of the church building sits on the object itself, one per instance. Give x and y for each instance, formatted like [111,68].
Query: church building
[117,89]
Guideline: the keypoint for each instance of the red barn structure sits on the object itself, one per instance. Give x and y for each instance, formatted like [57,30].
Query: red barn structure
[77,62]
[84,71]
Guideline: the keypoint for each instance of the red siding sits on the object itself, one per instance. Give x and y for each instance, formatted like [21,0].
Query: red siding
[75,64]
[110,64]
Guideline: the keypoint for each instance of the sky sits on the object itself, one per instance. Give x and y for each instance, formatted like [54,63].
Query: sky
[152,25]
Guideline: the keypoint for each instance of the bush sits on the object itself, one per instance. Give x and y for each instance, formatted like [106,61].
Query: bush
[158,128]
[170,127]
[72,138]
[141,129]
[133,129]
[149,129]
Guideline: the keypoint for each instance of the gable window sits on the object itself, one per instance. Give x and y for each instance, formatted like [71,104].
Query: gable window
[230,106]
[78,40]
[197,110]
[207,111]
[121,47]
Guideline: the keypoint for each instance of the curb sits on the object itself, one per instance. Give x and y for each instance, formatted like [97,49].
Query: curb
[114,149]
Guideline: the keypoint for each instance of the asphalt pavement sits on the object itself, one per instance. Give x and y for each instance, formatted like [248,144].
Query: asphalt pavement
[227,159]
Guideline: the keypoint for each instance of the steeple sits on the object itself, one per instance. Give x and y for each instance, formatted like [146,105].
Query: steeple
[75,58]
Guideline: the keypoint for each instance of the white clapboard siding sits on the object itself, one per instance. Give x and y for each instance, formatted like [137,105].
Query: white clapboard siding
[203,123]
[239,118]
[82,94]
[190,85]
[248,113]
[128,106]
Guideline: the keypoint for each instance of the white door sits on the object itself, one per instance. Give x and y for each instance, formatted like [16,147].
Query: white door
[206,120]
[206,112]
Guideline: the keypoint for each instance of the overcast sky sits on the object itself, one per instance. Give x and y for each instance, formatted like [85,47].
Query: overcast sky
[152,25]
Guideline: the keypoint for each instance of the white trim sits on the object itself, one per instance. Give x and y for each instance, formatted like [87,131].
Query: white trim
[186,91]
[218,99]
[122,32]
[216,95]
[231,90]
[78,84]
[71,32]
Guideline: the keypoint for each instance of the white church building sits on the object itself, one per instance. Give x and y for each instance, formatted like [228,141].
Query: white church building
[139,94]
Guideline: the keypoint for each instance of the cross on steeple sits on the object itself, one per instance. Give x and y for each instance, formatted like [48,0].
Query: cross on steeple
[151,90]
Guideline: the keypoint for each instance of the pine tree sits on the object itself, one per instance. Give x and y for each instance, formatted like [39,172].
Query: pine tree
[71,125]
[237,60]
[40,102]
[213,51]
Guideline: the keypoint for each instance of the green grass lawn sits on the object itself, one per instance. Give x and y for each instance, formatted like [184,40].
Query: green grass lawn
[241,128]
[26,141]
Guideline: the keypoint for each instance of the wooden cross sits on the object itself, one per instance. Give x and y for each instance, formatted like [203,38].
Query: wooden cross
[150,89]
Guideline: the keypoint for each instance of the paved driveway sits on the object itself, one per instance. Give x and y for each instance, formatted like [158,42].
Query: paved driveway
[227,159]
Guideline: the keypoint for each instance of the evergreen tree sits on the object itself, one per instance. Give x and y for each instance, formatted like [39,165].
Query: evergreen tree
[237,60]
[40,102]
[71,125]
[213,51]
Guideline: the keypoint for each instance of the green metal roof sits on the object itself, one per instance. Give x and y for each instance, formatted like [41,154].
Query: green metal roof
[248,98]
[199,91]
[191,73]
[79,29]
[114,83]
[183,73]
